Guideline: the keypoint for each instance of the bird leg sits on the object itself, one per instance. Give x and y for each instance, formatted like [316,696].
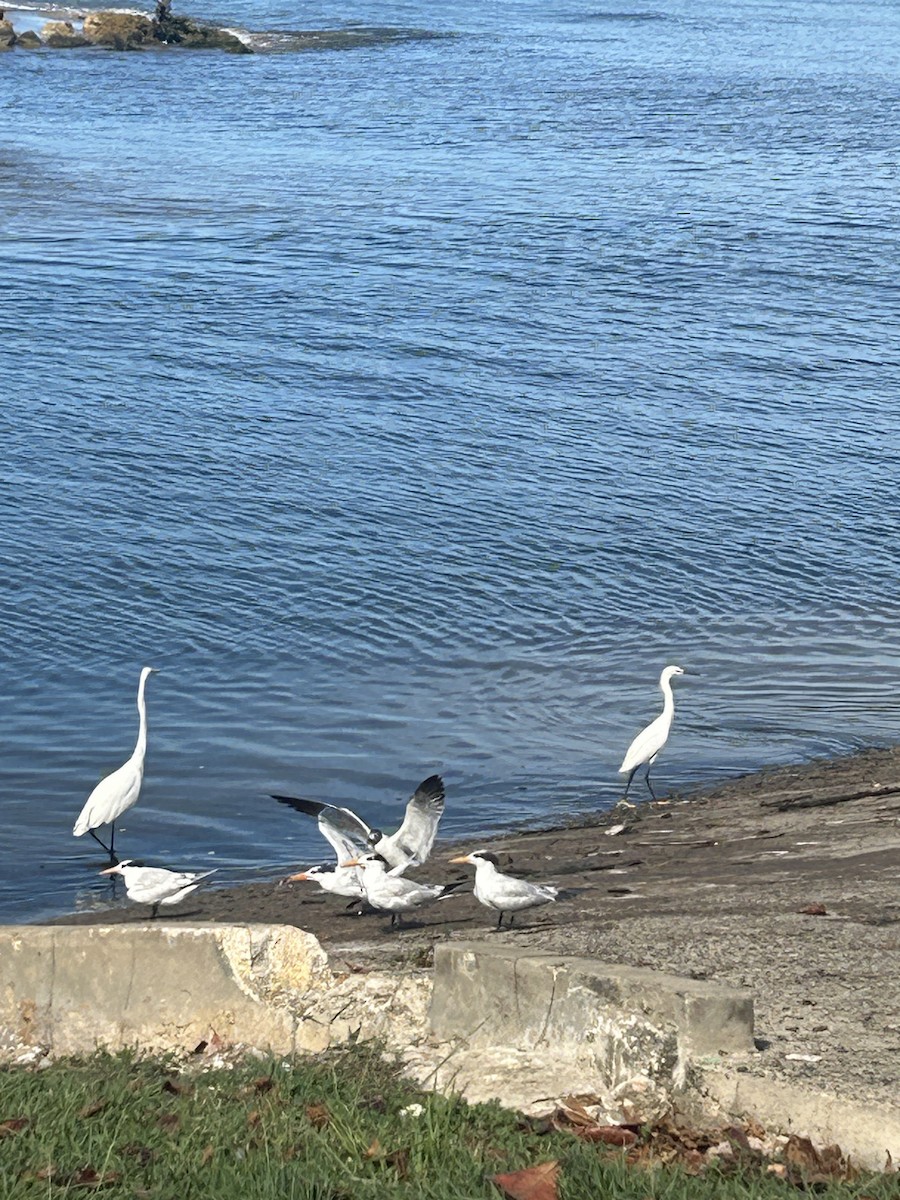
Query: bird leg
[647,781]
[624,800]
[112,841]
[500,921]
[154,911]
[108,849]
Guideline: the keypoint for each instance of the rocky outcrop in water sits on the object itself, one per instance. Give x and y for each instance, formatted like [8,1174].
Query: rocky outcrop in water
[118,30]
[173,30]
[62,35]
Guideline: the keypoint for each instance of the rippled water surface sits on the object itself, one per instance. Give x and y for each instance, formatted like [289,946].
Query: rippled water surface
[411,406]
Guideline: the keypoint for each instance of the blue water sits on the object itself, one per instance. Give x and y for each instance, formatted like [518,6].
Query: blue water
[411,406]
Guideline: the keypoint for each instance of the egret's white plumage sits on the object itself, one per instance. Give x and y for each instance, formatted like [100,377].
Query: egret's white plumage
[392,893]
[156,885]
[351,836]
[504,893]
[120,790]
[648,743]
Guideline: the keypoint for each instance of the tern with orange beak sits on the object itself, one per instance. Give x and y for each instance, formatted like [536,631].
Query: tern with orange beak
[392,893]
[335,879]
[156,885]
[503,893]
[120,790]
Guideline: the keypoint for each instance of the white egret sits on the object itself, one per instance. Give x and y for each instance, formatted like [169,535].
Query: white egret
[120,790]
[156,885]
[648,743]
[392,893]
[408,847]
[504,893]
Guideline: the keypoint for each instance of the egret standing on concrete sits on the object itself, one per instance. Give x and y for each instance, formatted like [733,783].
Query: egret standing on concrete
[119,791]
[648,743]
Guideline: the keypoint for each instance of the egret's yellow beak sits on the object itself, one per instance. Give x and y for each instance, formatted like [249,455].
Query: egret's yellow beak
[352,862]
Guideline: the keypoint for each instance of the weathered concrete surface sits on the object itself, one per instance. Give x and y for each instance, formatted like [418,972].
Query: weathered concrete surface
[625,1021]
[158,986]
[162,986]
[868,1133]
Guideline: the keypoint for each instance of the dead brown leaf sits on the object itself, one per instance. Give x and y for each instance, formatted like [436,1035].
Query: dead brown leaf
[609,1135]
[12,1125]
[374,1151]
[318,1115]
[91,1110]
[253,1117]
[169,1121]
[206,1156]
[88,1177]
[814,910]
[534,1183]
[174,1088]
[264,1083]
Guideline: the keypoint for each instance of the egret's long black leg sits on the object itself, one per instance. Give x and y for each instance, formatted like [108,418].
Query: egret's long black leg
[112,841]
[624,799]
[648,783]
[500,921]
[108,849]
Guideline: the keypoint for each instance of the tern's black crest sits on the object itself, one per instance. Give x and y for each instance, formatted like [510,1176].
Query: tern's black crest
[487,857]
[374,837]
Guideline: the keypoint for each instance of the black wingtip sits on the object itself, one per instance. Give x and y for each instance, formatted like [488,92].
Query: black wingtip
[431,788]
[312,808]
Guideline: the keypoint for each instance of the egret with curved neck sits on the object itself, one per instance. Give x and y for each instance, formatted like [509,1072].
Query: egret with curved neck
[120,790]
[648,743]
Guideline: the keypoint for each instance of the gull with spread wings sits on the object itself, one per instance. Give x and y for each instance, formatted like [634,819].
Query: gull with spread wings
[349,835]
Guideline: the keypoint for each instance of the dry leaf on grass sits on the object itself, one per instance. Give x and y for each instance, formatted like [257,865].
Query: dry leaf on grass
[318,1115]
[814,910]
[91,1110]
[12,1125]
[206,1156]
[609,1135]
[174,1088]
[534,1183]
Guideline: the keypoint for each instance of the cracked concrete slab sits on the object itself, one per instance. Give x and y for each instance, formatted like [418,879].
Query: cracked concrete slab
[624,1021]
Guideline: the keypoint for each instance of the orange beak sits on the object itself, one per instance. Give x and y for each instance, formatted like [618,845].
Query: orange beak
[296,878]
[463,859]
[353,862]
[111,870]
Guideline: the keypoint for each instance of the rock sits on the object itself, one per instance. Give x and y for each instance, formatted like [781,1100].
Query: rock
[182,31]
[121,30]
[29,40]
[7,35]
[61,35]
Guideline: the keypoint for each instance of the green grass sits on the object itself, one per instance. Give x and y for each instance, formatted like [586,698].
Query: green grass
[326,1128]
